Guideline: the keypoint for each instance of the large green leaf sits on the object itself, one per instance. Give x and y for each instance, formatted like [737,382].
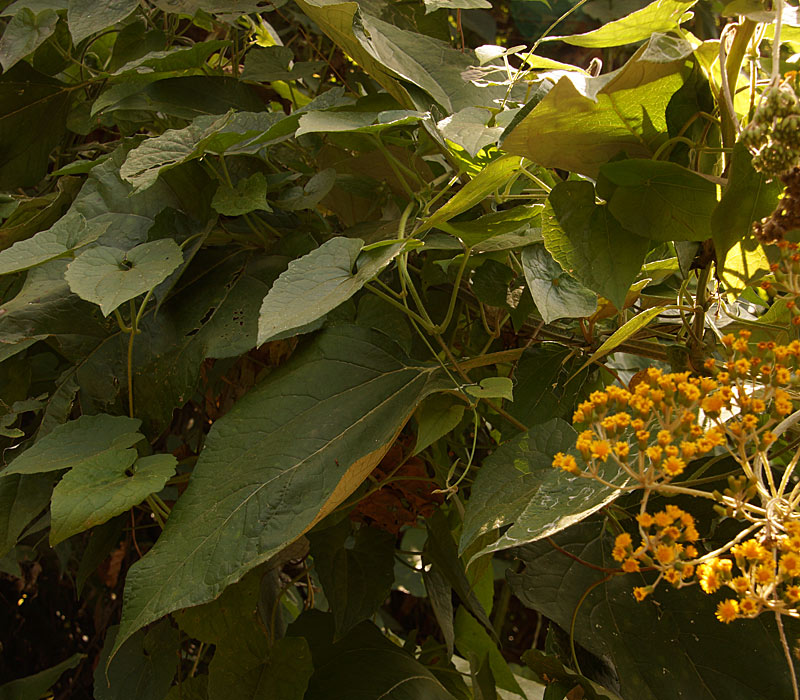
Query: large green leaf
[317,283]
[658,16]
[80,442]
[338,20]
[85,17]
[358,579]
[748,197]
[362,666]
[582,124]
[33,687]
[494,176]
[24,34]
[428,63]
[142,668]
[589,242]
[661,200]
[520,493]
[292,449]
[22,498]
[670,648]
[471,638]
[556,293]
[100,488]
[32,123]
[109,276]
[280,671]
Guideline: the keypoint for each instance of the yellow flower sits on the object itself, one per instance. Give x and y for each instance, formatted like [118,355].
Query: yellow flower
[673,466]
[662,519]
[640,593]
[750,549]
[764,575]
[645,519]
[664,437]
[673,576]
[630,565]
[712,404]
[709,580]
[600,449]
[740,584]
[688,449]
[790,564]
[793,594]
[750,606]
[665,554]
[727,610]
[621,449]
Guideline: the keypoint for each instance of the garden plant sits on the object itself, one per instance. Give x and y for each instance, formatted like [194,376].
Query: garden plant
[399,349]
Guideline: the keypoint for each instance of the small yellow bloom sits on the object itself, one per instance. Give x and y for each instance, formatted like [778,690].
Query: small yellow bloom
[793,594]
[665,554]
[645,519]
[727,610]
[640,592]
[740,584]
[673,466]
[750,606]
[673,576]
[790,564]
[630,565]
[600,449]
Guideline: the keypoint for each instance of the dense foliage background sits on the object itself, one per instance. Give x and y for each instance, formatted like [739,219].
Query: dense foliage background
[297,300]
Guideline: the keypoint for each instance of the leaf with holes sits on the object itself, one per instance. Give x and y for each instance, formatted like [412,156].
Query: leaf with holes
[110,276]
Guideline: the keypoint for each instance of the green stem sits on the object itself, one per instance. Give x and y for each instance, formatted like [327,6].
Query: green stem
[733,64]
[454,296]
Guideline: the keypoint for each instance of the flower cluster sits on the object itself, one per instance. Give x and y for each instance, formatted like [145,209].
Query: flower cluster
[786,276]
[773,136]
[654,428]
[667,545]
[651,432]
[764,575]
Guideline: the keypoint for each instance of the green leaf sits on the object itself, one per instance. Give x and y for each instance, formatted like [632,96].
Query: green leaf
[265,65]
[550,666]
[180,58]
[317,283]
[314,191]
[231,620]
[22,498]
[35,108]
[437,416]
[519,220]
[492,388]
[142,668]
[24,34]
[86,17]
[282,671]
[362,666]
[625,331]
[440,595]
[339,20]
[580,126]
[442,553]
[33,687]
[493,177]
[358,579]
[661,200]
[109,276]
[433,5]
[79,442]
[249,194]
[666,647]
[360,122]
[748,198]
[472,638]
[103,540]
[430,64]
[589,242]
[467,128]
[556,293]
[519,492]
[543,384]
[658,16]
[100,488]
[293,449]
[194,688]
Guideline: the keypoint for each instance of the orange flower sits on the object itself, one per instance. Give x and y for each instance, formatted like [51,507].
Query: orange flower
[727,610]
